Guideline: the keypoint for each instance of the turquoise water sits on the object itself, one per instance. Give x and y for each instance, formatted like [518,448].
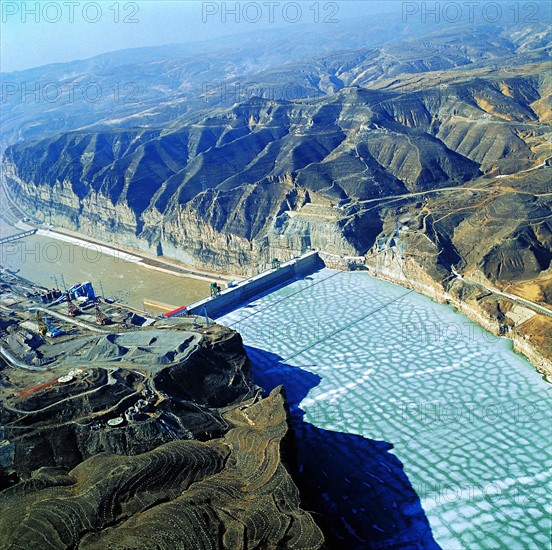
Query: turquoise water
[469,419]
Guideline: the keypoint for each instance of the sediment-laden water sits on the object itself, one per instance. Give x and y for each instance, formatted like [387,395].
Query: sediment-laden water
[49,262]
[468,418]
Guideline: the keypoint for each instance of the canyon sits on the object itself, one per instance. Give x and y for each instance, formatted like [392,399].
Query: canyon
[421,154]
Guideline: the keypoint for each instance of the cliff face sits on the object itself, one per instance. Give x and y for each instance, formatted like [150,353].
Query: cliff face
[233,189]
[231,173]
[232,492]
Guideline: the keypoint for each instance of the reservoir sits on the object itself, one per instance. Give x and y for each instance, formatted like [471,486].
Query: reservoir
[415,427]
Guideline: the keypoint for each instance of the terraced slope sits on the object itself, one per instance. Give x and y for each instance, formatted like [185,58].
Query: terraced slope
[229,493]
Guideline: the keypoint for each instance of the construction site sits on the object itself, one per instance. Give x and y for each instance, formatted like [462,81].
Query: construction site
[74,362]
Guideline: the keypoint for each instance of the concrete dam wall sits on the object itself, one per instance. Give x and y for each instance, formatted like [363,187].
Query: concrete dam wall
[269,280]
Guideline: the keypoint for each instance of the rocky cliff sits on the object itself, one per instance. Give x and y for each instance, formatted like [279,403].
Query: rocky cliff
[217,191]
[157,438]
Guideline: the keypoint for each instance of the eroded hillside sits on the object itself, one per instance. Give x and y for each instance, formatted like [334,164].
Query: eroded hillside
[435,143]
[221,189]
[142,437]
[231,492]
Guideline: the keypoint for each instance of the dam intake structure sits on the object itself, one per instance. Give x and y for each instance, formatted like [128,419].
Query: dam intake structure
[228,299]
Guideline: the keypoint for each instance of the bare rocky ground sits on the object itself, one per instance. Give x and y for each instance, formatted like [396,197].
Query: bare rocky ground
[139,438]
[229,492]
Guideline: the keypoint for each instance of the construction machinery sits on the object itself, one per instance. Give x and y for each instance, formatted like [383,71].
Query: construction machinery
[72,309]
[80,292]
[42,328]
[215,290]
[101,318]
[52,331]
[46,327]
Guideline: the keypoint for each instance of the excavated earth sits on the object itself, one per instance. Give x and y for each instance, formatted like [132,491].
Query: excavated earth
[202,464]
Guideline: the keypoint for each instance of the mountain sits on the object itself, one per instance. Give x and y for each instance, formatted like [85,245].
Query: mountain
[232,175]
[266,147]
[201,456]
[420,153]
[153,86]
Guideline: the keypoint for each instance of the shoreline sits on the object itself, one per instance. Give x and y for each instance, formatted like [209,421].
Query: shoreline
[173,267]
[168,266]
[523,347]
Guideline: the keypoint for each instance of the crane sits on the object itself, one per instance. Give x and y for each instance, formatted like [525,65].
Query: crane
[101,318]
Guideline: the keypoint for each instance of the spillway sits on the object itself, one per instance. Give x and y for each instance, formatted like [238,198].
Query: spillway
[414,425]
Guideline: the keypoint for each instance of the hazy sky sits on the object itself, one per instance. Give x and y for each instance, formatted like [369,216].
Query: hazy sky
[36,33]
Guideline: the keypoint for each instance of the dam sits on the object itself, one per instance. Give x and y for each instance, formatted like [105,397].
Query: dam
[266,281]
[413,424]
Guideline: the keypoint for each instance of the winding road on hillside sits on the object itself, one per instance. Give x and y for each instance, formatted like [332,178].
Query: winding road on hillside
[521,301]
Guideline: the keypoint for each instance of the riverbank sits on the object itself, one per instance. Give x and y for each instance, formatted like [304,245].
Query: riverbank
[383,268]
[58,260]
[163,265]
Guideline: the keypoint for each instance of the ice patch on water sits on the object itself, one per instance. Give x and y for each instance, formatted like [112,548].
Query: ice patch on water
[332,395]
[468,418]
[456,365]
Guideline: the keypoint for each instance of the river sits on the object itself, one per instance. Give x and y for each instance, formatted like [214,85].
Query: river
[50,262]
